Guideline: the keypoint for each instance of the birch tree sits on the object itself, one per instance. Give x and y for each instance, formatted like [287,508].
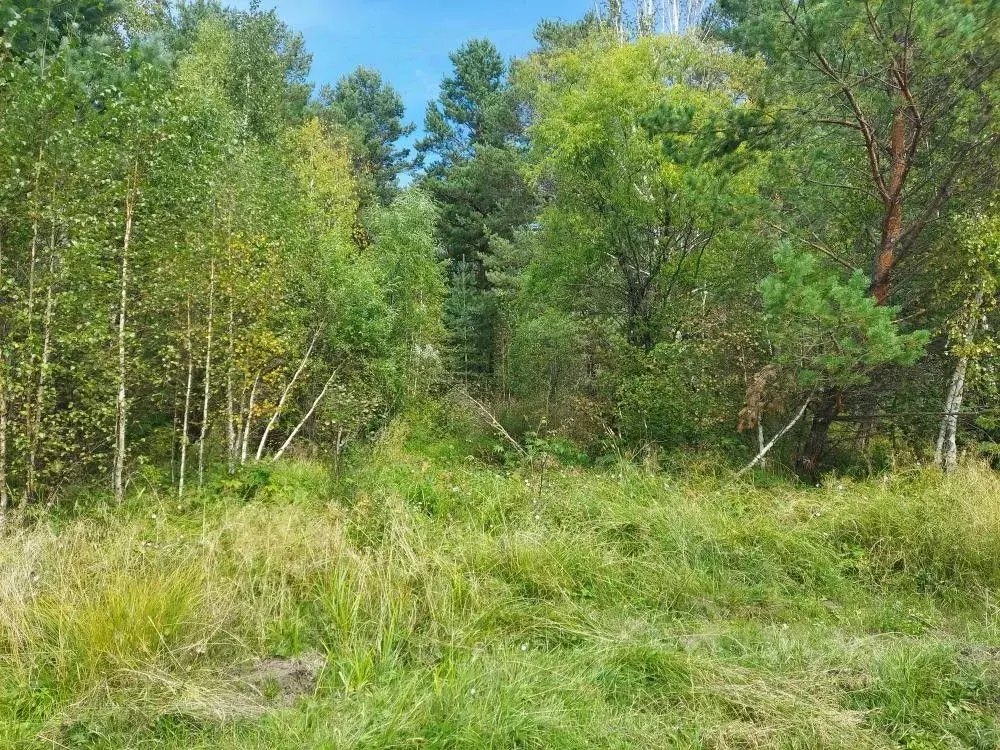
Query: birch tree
[973,342]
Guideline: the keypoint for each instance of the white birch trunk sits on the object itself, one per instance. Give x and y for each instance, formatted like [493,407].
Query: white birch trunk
[283,398]
[231,438]
[301,424]
[947,457]
[616,17]
[248,421]
[946,453]
[645,17]
[767,448]
[39,409]
[173,442]
[695,12]
[30,321]
[28,415]
[187,405]
[4,495]
[32,265]
[33,251]
[121,400]
[760,439]
[949,406]
[208,379]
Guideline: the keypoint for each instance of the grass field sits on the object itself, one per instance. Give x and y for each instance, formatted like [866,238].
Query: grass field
[429,600]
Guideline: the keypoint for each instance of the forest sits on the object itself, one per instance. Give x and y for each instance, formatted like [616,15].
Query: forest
[313,419]
[783,221]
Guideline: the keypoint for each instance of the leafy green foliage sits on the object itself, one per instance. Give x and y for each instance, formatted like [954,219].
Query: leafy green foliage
[613,243]
[828,330]
[29,26]
[177,251]
[635,206]
[196,253]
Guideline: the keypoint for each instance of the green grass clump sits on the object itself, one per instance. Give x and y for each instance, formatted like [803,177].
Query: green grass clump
[429,599]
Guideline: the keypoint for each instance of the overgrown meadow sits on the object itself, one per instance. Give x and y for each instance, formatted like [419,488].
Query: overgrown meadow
[426,597]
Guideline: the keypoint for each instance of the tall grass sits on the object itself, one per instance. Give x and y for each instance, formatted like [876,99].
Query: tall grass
[454,604]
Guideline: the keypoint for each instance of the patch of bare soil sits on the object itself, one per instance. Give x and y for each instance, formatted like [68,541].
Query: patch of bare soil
[284,680]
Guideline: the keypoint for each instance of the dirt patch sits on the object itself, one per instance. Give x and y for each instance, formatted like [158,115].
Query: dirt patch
[980,653]
[284,680]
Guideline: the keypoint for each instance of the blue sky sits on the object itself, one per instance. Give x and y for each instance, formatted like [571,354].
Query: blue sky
[409,40]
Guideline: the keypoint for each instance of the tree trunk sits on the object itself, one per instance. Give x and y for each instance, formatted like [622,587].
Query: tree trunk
[208,379]
[28,405]
[765,449]
[284,397]
[616,19]
[35,425]
[881,286]
[946,455]
[231,438]
[824,414]
[32,266]
[892,226]
[312,409]
[28,415]
[4,495]
[33,251]
[121,401]
[187,405]
[173,442]
[248,421]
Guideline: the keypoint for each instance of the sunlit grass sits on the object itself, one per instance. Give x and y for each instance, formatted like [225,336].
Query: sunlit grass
[450,603]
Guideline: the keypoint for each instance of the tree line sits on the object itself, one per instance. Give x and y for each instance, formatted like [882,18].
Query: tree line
[194,269]
[766,228]
[773,226]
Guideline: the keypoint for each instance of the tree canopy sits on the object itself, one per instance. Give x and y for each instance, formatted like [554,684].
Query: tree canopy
[672,227]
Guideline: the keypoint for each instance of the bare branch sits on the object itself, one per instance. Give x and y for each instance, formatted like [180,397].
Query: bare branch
[767,448]
[284,397]
[302,422]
